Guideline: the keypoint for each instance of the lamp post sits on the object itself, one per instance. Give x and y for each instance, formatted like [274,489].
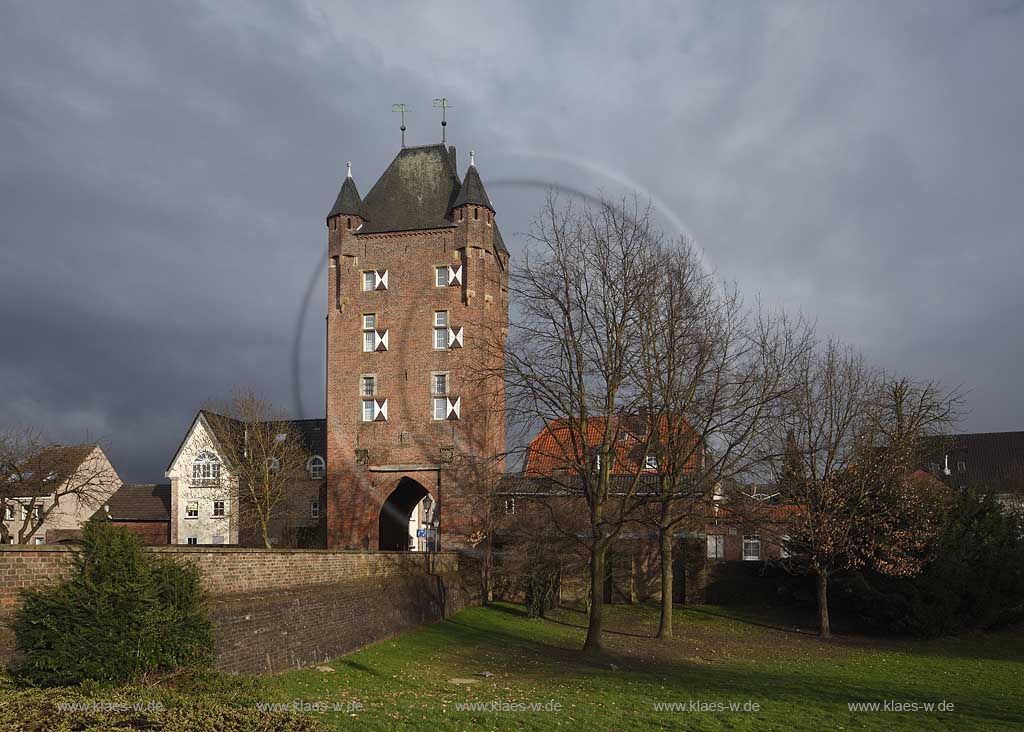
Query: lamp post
[428,505]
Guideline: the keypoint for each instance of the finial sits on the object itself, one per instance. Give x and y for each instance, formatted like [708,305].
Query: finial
[348,165]
[445,106]
[472,162]
[403,109]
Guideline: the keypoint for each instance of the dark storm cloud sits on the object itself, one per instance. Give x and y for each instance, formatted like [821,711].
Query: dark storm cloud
[165,170]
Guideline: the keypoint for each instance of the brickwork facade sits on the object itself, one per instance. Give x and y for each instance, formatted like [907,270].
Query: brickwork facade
[367,459]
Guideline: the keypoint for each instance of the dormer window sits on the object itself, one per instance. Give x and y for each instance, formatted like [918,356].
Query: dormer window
[317,467]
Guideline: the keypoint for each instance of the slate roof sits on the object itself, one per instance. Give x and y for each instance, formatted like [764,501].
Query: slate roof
[472,191]
[348,200]
[416,192]
[140,502]
[312,432]
[49,467]
[992,460]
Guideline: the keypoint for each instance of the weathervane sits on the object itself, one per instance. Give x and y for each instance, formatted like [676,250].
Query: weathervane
[403,109]
[445,106]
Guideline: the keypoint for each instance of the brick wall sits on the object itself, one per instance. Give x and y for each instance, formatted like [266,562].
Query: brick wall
[275,609]
[357,490]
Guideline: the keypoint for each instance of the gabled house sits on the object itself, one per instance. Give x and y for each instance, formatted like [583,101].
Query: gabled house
[206,506]
[46,498]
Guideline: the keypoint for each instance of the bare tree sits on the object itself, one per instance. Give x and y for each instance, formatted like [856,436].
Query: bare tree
[264,459]
[41,481]
[711,373]
[851,447]
[480,513]
[573,351]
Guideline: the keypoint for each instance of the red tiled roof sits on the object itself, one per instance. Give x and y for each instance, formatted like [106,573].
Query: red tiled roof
[554,449]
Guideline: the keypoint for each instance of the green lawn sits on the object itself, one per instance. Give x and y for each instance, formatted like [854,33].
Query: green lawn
[718,658]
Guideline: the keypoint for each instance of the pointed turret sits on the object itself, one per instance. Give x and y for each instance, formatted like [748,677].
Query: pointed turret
[349,202]
[472,191]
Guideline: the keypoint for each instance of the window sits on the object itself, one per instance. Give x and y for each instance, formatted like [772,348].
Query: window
[961,467]
[317,467]
[274,465]
[751,548]
[510,506]
[38,540]
[206,467]
[783,551]
[369,332]
[368,386]
[716,546]
[375,280]
[440,329]
[192,509]
[440,407]
[9,513]
[368,410]
[440,276]
[193,540]
[314,509]
[218,509]
[651,462]
[440,383]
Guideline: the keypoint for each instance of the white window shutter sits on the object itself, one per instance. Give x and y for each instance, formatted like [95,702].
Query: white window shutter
[381,277]
[455,275]
[454,407]
[380,340]
[455,337]
[380,410]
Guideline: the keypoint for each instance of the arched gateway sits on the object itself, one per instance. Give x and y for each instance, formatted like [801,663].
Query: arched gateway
[396,513]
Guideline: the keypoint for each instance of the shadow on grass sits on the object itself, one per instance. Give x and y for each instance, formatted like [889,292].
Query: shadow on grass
[639,682]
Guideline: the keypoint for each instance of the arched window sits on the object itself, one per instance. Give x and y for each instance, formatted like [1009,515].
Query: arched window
[206,466]
[317,467]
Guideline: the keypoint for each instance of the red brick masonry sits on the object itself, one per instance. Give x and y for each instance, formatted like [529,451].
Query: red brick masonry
[275,609]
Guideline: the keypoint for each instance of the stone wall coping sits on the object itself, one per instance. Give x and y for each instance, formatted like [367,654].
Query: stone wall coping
[186,549]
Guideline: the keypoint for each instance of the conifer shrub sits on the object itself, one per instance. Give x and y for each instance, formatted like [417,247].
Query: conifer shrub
[975,579]
[122,613]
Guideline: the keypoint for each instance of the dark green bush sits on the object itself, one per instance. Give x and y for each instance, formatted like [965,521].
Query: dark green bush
[975,581]
[122,613]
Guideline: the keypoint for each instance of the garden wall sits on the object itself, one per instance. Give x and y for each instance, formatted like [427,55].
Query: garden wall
[276,609]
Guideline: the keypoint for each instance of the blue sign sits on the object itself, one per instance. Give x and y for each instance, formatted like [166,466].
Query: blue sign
[421,533]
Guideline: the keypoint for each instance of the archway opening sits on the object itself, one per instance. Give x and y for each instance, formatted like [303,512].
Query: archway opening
[396,513]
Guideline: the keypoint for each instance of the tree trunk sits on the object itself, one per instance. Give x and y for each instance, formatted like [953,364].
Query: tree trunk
[266,536]
[485,571]
[823,624]
[597,569]
[665,625]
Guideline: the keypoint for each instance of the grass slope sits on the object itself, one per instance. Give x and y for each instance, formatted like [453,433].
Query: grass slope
[416,682]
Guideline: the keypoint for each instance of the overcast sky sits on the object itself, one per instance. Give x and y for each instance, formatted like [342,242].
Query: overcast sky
[165,170]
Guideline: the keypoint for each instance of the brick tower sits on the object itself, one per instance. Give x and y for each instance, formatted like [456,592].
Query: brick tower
[416,322]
